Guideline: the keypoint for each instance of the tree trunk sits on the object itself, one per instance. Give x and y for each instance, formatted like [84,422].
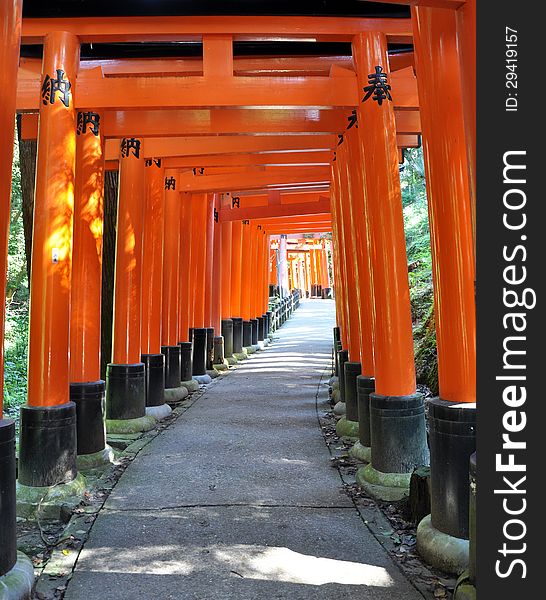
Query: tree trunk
[27,165]
[108,260]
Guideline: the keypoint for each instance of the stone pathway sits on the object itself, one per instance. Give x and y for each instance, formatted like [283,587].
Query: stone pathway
[237,498]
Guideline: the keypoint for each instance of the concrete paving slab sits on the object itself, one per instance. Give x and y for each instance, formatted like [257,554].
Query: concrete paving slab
[237,498]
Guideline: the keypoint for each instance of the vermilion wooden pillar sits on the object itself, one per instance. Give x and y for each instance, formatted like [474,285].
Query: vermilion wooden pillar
[87,252]
[352,290]
[10,37]
[125,377]
[226,259]
[466,42]
[186,290]
[16,566]
[209,259]
[152,257]
[246,272]
[445,144]
[86,387]
[396,412]
[152,283]
[395,372]
[341,282]
[198,256]
[236,256]
[360,231]
[171,279]
[340,316]
[448,191]
[216,287]
[51,266]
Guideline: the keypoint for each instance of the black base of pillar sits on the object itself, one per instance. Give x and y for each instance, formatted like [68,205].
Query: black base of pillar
[154,365]
[452,440]
[351,371]
[364,387]
[337,348]
[261,328]
[47,450]
[125,391]
[337,334]
[210,347]
[219,353]
[254,331]
[270,324]
[8,505]
[237,334]
[472,522]
[88,397]
[172,366]
[342,358]
[199,351]
[227,334]
[247,334]
[186,361]
[398,433]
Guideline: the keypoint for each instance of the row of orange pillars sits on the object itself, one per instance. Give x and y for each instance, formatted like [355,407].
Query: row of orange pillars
[379,404]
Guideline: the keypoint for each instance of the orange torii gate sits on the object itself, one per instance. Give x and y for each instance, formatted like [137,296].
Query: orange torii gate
[190,136]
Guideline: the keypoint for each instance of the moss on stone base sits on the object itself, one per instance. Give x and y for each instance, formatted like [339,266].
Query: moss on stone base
[191,385]
[49,500]
[441,550]
[172,395]
[222,367]
[103,458]
[389,487]
[346,428]
[139,425]
[361,453]
[465,589]
[17,583]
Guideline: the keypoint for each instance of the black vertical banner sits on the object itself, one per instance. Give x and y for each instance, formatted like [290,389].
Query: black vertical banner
[511,300]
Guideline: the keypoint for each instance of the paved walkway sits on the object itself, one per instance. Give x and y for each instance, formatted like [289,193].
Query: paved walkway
[237,498]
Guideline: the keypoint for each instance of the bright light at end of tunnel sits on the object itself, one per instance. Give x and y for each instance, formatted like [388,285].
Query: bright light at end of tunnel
[283,564]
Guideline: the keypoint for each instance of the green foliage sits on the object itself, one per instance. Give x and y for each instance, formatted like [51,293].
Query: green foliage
[414,201]
[17,300]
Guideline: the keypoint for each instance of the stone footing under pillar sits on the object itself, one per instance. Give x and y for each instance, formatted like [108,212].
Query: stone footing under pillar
[202,379]
[465,589]
[346,428]
[138,425]
[339,408]
[49,500]
[250,349]
[18,582]
[192,385]
[173,395]
[96,460]
[361,453]
[389,487]
[443,551]
[161,412]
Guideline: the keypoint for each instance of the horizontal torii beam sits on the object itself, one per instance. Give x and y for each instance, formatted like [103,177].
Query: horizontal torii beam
[276,210]
[156,93]
[192,28]
[208,145]
[287,159]
[229,121]
[252,180]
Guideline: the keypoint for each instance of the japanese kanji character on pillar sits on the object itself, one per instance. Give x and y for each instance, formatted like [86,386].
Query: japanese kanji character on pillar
[378,86]
[88,118]
[53,86]
[152,161]
[130,144]
[170,183]
[235,202]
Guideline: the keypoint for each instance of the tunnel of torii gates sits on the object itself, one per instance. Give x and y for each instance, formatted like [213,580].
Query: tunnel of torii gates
[226,164]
